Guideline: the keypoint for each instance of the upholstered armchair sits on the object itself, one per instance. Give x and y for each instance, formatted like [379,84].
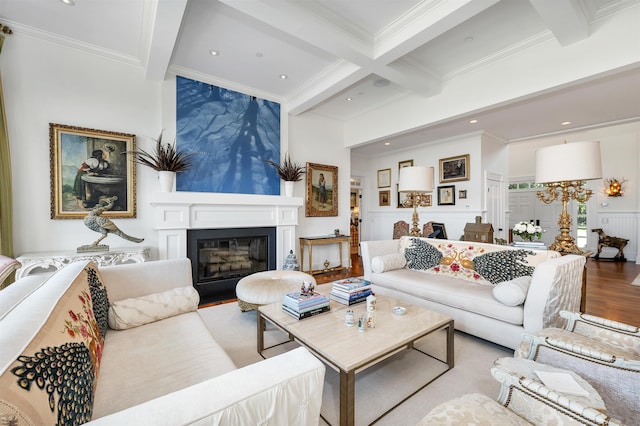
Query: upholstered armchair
[400,229]
[606,353]
[522,401]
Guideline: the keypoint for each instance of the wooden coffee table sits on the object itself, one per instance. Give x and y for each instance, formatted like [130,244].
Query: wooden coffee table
[348,351]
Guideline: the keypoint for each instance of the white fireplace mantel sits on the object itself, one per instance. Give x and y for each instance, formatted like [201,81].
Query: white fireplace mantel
[177,212]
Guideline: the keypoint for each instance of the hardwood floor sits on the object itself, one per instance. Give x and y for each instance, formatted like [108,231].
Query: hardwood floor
[609,290]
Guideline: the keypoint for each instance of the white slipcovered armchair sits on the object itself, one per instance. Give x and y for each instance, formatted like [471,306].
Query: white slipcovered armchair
[522,401]
[605,353]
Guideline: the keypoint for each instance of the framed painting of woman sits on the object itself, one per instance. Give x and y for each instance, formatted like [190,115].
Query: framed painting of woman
[322,190]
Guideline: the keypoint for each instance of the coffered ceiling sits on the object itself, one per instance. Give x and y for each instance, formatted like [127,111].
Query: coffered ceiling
[346,58]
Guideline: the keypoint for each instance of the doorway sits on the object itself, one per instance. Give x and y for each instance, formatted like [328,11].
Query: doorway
[355,204]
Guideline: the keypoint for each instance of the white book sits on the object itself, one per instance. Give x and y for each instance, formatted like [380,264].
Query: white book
[561,382]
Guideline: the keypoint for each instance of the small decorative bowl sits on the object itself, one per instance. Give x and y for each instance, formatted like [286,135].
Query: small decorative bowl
[399,310]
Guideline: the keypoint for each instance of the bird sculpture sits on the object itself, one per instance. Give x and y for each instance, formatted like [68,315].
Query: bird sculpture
[104,225]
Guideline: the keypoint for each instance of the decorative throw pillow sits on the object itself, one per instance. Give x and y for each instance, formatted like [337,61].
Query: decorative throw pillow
[512,292]
[388,262]
[503,265]
[421,255]
[457,261]
[134,312]
[52,378]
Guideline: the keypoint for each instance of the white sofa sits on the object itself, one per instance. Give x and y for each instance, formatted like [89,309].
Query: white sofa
[55,367]
[442,275]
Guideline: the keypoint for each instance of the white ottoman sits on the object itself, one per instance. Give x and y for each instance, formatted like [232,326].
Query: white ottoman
[263,288]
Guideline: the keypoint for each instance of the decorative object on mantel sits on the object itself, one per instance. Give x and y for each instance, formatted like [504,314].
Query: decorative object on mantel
[166,159]
[614,187]
[289,172]
[103,225]
[606,241]
[416,181]
[564,168]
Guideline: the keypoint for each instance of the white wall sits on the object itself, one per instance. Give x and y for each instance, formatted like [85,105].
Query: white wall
[316,139]
[378,221]
[48,83]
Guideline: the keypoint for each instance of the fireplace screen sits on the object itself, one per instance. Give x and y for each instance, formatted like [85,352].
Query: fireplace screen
[220,257]
[231,257]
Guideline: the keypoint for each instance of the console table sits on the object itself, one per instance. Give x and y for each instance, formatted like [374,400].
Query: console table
[323,240]
[46,262]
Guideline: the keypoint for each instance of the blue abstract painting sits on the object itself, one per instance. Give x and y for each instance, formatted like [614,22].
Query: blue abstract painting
[233,134]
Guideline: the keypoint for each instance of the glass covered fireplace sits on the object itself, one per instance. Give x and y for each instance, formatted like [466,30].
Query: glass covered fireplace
[221,257]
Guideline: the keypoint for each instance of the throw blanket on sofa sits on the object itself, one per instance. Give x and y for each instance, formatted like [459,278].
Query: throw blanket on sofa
[51,378]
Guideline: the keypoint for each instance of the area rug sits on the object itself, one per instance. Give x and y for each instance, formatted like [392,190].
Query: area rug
[378,388]
[636,281]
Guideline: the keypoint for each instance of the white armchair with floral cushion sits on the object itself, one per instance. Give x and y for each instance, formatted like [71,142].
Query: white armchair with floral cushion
[606,353]
[522,401]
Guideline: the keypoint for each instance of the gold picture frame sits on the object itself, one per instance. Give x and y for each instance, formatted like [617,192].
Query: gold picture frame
[454,169]
[322,190]
[401,197]
[88,165]
[405,163]
[384,178]
[384,198]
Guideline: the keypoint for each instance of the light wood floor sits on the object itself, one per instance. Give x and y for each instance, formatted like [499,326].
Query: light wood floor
[609,290]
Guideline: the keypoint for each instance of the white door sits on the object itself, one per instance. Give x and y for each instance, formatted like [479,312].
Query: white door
[495,205]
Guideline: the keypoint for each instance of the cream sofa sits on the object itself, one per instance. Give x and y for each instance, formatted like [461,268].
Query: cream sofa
[60,364]
[462,279]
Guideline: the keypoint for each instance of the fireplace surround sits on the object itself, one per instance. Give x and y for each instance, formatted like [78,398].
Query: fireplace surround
[177,212]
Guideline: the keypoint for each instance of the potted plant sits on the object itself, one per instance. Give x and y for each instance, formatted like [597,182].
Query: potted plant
[289,172]
[166,159]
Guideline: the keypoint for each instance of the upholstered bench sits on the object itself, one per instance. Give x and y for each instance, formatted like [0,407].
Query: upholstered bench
[263,288]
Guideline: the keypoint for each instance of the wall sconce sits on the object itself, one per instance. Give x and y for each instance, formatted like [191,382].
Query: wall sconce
[416,181]
[564,168]
[614,187]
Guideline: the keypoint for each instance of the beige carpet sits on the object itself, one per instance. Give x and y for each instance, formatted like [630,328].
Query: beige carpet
[380,387]
[636,281]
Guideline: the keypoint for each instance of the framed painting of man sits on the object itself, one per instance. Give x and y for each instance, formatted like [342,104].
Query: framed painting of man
[88,165]
[322,190]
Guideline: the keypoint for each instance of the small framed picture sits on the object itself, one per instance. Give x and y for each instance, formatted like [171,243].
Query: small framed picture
[383,198]
[322,190]
[447,195]
[454,169]
[427,200]
[384,178]
[402,197]
[462,194]
[405,163]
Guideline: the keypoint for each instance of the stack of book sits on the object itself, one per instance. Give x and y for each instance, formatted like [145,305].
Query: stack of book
[539,245]
[350,291]
[305,305]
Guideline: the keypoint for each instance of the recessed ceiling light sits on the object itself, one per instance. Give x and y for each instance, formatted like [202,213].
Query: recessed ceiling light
[259,54]
[473,121]
[68,2]
[214,52]
[349,99]
[387,143]
[468,39]
[564,123]
[283,76]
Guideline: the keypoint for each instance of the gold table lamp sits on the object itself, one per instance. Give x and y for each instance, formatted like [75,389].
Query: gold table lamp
[564,168]
[416,181]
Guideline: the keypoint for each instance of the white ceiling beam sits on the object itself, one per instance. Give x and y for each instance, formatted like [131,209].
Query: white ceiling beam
[567,20]
[166,21]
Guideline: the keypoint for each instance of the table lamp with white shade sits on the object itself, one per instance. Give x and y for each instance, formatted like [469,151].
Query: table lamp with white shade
[415,181]
[564,168]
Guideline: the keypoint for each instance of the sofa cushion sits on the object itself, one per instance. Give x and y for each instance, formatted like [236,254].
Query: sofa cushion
[159,358]
[512,292]
[52,346]
[503,265]
[388,262]
[137,311]
[449,291]
[421,255]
